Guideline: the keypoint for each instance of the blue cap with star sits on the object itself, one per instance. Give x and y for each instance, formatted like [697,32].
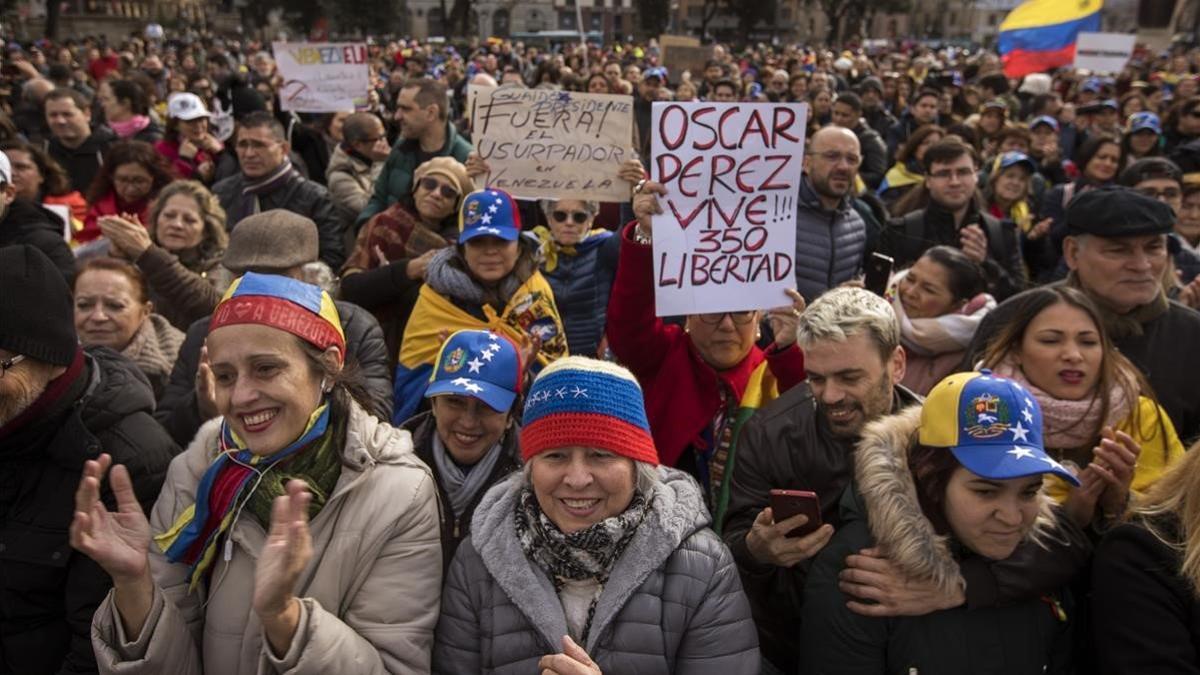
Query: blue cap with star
[489,213]
[480,364]
[992,424]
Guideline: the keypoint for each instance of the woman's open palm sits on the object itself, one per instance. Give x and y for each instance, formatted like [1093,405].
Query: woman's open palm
[286,552]
[119,541]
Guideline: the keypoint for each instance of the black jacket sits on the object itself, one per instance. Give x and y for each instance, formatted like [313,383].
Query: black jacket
[454,530]
[48,591]
[365,348]
[27,223]
[1145,618]
[84,162]
[907,238]
[874,155]
[788,445]
[298,195]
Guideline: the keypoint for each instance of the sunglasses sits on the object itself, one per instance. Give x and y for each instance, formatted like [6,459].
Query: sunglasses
[430,184]
[579,217]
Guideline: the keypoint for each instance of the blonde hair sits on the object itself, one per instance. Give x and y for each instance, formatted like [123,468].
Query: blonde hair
[1176,494]
[215,239]
[845,312]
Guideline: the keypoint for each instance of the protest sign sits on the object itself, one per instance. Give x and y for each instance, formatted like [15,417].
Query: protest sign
[1103,52]
[726,240]
[322,76]
[548,144]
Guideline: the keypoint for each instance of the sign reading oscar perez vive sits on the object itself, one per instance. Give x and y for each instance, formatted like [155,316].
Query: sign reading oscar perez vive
[322,76]
[726,239]
[545,144]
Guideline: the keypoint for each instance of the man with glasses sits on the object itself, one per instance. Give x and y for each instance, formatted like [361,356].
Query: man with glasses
[60,407]
[269,181]
[954,217]
[831,236]
[357,161]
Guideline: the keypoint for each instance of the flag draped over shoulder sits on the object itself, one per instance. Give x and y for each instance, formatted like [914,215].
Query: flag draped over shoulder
[531,311]
[760,390]
[1041,34]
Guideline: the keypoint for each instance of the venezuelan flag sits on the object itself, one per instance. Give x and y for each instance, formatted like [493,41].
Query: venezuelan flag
[1041,34]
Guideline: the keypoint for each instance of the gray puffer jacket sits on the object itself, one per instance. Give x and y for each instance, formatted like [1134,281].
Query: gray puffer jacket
[673,603]
[829,244]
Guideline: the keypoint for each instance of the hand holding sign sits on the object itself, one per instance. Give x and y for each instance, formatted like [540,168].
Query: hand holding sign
[725,239]
[646,206]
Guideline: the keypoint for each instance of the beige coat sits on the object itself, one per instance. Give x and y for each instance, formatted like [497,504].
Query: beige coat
[350,180]
[370,597]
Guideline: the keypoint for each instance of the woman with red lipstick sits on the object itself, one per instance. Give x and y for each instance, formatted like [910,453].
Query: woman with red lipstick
[1101,417]
[593,559]
[297,533]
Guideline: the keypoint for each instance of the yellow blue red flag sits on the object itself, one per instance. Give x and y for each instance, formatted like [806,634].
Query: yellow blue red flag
[1041,34]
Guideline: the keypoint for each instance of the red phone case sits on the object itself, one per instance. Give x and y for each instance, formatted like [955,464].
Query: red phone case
[788,503]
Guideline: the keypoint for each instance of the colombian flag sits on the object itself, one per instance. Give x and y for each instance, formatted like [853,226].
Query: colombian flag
[1040,34]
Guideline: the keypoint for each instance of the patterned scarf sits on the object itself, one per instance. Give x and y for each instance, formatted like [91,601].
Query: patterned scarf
[311,458]
[1070,424]
[588,554]
[252,188]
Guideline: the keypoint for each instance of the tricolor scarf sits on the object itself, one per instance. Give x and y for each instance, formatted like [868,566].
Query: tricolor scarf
[238,479]
[267,184]
[551,249]
[760,390]
[899,176]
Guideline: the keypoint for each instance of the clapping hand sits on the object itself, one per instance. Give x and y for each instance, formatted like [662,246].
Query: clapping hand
[283,558]
[119,541]
[126,233]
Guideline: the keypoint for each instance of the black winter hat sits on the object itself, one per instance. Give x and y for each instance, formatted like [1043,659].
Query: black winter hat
[36,314]
[1114,211]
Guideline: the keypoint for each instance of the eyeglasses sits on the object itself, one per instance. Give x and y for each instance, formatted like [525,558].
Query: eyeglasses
[580,217]
[739,318]
[430,184]
[6,364]
[947,174]
[1168,193]
[837,157]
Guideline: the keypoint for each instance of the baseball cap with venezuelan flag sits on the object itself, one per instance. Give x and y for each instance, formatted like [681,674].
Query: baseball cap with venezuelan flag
[292,306]
[991,424]
[478,363]
[489,213]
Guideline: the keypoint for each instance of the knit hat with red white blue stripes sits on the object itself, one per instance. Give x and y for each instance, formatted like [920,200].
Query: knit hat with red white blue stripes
[582,402]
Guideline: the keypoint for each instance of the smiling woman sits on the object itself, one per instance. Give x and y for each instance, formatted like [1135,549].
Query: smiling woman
[179,251]
[294,462]
[607,556]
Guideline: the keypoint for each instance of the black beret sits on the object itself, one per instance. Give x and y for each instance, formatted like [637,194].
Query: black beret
[1118,212]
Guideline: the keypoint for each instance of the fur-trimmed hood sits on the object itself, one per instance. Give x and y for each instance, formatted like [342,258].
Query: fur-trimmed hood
[887,496]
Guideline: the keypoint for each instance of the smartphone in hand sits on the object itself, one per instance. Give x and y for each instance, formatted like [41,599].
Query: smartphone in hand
[788,503]
[878,273]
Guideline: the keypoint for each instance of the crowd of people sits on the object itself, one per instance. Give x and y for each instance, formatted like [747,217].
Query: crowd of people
[301,393]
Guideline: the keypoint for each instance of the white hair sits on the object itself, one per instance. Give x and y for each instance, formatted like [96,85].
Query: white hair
[845,312]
